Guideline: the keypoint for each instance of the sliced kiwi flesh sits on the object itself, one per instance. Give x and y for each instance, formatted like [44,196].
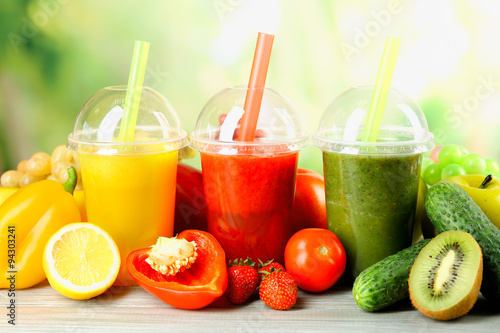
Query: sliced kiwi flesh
[446,276]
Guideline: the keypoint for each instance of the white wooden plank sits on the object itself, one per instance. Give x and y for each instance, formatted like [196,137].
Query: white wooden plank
[133,309]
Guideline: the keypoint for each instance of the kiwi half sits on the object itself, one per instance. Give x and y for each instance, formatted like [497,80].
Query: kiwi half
[446,276]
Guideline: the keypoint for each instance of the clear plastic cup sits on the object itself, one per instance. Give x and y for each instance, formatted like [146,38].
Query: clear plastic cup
[372,187]
[129,186]
[249,185]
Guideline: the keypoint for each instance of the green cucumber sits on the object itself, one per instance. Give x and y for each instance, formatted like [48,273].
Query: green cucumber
[449,207]
[386,282]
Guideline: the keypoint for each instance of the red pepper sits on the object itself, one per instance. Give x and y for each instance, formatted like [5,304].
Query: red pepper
[197,286]
[191,207]
[190,204]
[309,207]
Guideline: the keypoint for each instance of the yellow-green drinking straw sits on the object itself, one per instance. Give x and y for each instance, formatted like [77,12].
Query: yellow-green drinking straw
[381,90]
[134,90]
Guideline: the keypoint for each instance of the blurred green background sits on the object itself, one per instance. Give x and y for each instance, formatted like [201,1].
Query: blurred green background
[55,54]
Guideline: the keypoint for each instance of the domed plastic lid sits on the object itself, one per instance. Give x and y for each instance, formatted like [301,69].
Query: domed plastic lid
[403,129]
[97,125]
[279,127]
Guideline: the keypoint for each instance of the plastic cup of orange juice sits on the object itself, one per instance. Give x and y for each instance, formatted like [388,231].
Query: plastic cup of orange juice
[129,186]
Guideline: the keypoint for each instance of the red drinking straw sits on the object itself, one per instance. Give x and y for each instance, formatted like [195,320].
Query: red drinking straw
[256,86]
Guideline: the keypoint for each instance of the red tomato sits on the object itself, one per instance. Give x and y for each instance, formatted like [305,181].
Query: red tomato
[315,258]
[190,204]
[309,208]
[196,287]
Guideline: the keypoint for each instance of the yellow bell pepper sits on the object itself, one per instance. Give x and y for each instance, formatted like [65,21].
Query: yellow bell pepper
[80,201]
[27,220]
[6,192]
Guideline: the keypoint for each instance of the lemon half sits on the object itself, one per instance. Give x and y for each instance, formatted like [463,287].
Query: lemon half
[81,261]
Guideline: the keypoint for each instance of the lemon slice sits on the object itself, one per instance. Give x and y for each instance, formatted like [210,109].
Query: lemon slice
[81,261]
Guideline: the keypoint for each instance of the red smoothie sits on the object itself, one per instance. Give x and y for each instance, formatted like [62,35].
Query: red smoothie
[250,199]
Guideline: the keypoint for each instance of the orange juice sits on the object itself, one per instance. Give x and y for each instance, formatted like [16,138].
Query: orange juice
[132,197]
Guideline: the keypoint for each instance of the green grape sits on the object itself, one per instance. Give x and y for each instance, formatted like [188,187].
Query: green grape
[11,178]
[473,163]
[39,165]
[494,175]
[492,165]
[426,161]
[450,154]
[432,174]
[452,170]
[464,151]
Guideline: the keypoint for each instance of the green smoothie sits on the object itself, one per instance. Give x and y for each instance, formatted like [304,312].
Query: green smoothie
[371,202]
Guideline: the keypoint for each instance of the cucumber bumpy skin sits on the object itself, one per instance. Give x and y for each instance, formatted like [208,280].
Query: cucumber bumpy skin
[386,282]
[449,207]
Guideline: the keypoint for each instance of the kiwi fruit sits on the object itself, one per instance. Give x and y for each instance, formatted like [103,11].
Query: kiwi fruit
[446,276]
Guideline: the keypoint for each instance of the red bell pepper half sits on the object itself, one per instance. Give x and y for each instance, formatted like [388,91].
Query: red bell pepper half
[190,203]
[195,285]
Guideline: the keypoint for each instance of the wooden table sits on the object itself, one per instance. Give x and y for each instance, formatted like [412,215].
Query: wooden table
[125,309]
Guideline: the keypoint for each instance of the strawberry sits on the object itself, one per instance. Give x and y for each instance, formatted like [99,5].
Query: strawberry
[243,279]
[278,290]
[266,267]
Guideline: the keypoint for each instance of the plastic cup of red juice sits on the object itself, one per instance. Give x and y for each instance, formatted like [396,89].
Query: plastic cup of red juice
[249,185]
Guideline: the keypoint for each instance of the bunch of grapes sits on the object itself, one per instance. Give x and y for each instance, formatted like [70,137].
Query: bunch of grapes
[454,160]
[43,166]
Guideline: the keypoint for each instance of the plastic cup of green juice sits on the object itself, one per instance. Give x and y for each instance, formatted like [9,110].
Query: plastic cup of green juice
[372,187]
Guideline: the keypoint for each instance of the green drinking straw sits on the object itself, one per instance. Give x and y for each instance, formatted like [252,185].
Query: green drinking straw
[381,90]
[134,90]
